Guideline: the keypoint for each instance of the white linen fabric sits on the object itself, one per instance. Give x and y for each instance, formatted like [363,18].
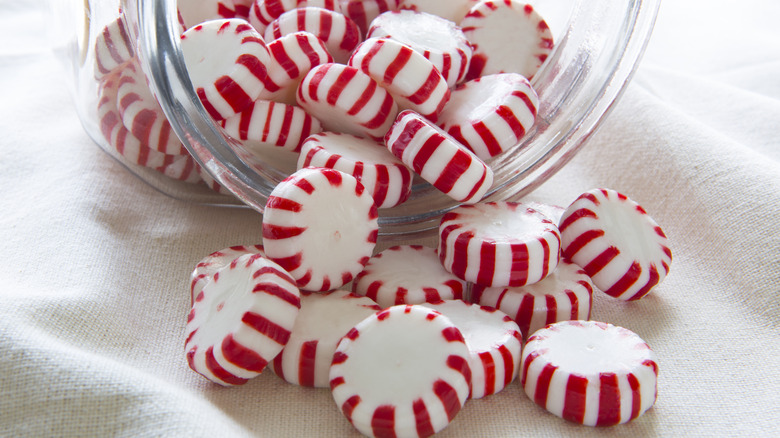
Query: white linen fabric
[94,279]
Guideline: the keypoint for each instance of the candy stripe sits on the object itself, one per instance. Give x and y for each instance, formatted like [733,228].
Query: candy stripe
[609,400]
[410,78]
[433,397]
[113,48]
[268,124]
[424,278]
[522,29]
[437,39]
[237,350]
[567,294]
[580,392]
[294,238]
[576,399]
[242,356]
[346,100]
[339,34]
[387,179]
[438,159]
[241,59]
[491,114]
[623,267]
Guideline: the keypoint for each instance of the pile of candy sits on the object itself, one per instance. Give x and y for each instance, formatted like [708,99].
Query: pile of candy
[405,337]
[436,87]
[368,95]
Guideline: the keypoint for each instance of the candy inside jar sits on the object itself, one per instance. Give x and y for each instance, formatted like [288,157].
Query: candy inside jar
[576,85]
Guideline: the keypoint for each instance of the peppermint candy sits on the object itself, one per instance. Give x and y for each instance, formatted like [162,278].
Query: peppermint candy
[208,266]
[323,320]
[411,79]
[142,115]
[292,57]
[362,12]
[494,342]
[403,371]
[453,10]
[508,37]
[498,244]
[339,34]
[241,320]
[264,12]
[387,179]
[438,39]
[321,226]
[347,100]
[566,294]
[438,158]
[271,125]
[616,242]
[589,372]
[490,114]
[113,48]
[228,76]
[407,274]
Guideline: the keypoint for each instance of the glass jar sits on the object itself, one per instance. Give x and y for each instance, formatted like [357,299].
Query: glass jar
[598,44]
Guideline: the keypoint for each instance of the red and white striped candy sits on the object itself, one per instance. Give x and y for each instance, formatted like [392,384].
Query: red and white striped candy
[242,321]
[362,12]
[401,372]
[453,10]
[490,114]
[323,320]
[321,226]
[119,137]
[494,342]
[498,244]
[339,34]
[439,40]
[141,113]
[268,124]
[113,48]
[508,36]
[616,242]
[264,12]
[347,100]
[566,294]
[407,274]
[208,266]
[181,167]
[292,56]
[438,158]
[241,8]
[590,372]
[226,61]
[386,178]
[193,12]
[410,78]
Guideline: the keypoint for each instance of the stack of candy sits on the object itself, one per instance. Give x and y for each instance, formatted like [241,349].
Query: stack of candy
[366,96]
[435,86]
[129,117]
